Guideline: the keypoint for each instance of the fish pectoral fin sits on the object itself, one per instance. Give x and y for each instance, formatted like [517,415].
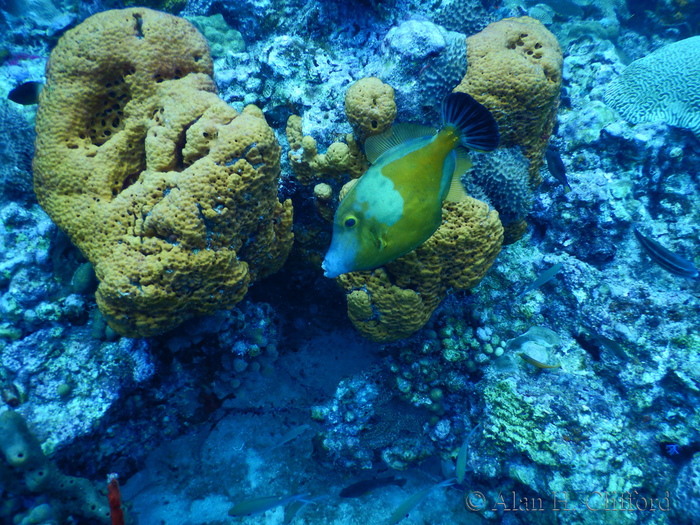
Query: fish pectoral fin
[382,242]
[377,234]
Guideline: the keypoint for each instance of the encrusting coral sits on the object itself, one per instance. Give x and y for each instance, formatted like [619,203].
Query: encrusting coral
[168,191]
[395,300]
[515,70]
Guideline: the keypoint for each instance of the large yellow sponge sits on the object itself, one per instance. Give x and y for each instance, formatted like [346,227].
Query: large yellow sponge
[169,192]
[515,69]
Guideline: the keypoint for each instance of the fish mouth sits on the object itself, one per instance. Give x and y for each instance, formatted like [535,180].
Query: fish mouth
[339,258]
[331,269]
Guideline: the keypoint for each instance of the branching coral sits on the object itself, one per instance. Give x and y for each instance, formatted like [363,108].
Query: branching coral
[67,495]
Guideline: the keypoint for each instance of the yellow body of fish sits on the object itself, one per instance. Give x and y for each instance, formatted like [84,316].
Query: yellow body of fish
[397,204]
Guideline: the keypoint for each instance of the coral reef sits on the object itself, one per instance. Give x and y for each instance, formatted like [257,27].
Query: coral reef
[370,109]
[65,381]
[689,484]
[222,39]
[174,204]
[515,70]
[68,495]
[197,419]
[423,62]
[308,164]
[664,85]
[15,157]
[362,421]
[465,16]
[501,179]
[394,301]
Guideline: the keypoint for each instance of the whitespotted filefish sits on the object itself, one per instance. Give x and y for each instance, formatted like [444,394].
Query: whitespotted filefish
[397,204]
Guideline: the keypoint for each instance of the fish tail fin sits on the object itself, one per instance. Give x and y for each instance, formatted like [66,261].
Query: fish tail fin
[478,128]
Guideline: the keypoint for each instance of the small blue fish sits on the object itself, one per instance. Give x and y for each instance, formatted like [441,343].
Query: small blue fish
[415,499]
[665,258]
[289,436]
[614,347]
[27,93]
[461,465]
[543,278]
[253,506]
[298,506]
[397,204]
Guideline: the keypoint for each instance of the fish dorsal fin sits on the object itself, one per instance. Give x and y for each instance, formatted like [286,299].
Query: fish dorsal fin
[376,145]
[463,163]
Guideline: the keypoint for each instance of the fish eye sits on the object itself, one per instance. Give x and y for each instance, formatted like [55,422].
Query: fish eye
[350,222]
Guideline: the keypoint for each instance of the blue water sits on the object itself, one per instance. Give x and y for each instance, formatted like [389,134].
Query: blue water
[562,388]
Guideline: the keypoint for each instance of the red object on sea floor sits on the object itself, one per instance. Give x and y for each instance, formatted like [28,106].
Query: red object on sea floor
[115,501]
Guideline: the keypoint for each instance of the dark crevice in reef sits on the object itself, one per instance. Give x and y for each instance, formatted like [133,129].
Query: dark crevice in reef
[138,25]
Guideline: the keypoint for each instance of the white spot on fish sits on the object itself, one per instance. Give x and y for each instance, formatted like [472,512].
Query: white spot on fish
[384,202]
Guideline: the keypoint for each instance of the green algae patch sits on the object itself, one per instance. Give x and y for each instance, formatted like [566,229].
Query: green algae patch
[514,423]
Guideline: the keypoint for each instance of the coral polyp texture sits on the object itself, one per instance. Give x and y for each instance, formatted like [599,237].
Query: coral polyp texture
[168,191]
[664,85]
[515,70]
[396,300]
[501,178]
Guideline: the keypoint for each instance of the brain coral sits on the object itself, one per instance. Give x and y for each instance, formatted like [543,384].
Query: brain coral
[514,69]
[501,178]
[465,16]
[443,70]
[394,301]
[169,192]
[664,85]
